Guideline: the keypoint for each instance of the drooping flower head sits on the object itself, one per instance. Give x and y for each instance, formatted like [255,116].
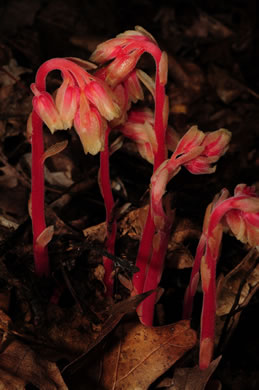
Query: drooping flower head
[125,50]
[241,214]
[196,151]
[82,100]
[139,127]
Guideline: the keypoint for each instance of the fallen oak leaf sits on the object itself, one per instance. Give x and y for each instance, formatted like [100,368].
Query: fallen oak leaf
[116,313]
[142,354]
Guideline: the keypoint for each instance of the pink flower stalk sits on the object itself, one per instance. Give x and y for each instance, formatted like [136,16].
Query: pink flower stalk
[83,101]
[240,213]
[124,52]
[37,197]
[126,92]
[194,146]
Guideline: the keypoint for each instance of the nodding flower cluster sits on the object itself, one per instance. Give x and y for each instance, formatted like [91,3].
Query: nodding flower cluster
[94,101]
[239,214]
[97,97]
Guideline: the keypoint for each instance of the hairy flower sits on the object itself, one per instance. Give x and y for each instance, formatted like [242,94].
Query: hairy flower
[125,50]
[90,126]
[102,97]
[44,106]
[243,219]
[139,128]
[67,100]
[215,145]
[240,213]
[195,151]
[133,87]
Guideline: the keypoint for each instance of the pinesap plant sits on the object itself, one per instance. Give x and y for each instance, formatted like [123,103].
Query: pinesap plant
[97,97]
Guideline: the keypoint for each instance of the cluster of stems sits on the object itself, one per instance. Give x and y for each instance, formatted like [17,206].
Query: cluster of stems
[97,100]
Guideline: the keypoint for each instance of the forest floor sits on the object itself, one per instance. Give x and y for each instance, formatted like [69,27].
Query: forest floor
[213,50]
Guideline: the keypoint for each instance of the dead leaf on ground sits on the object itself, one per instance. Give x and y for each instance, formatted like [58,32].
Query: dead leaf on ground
[21,361]
[115,314]
[8,381]
[20,365]
[178,254]
[136,355]
[234,292]
[193,378]
[244,275]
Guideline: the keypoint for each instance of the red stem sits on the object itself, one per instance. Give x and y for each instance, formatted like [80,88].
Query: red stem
[111,224]
[153,277]
[151,269]
[208,311]
[37,196]
[144,253]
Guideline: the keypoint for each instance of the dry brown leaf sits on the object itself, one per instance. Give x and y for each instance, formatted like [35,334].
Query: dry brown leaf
[132,224]
[234,292]
[20,365]
[95,233]
[54,149]
[229,286]
[138,355]
[8,381]
[193,378]
[178,254]
[69,332]
[20,361]
[115,314]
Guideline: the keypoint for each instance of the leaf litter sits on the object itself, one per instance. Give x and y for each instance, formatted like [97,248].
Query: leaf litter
[205,87]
